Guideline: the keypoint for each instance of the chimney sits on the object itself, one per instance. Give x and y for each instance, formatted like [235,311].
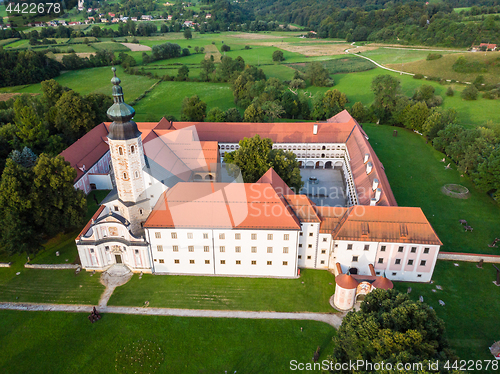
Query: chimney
[373,202]
[315,129]
[367,156]
[378,193]
[375,184]
[369,167]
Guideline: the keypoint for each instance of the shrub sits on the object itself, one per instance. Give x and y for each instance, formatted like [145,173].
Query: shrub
[297,83]
[470,92]
[213,43]
[225,48]
[434,56]
[450,92]
[418,76]
[247,47]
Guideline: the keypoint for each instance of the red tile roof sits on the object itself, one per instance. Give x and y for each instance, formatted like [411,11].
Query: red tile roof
[223,206]
[386,224]
[303,208]
[89,223]
[275,180]
[341,128]
[87,150]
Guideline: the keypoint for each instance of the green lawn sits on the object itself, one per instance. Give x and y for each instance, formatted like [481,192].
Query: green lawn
[416,176]
[282,72]
[472,303]
[53,342]
[166,98]
[233,293]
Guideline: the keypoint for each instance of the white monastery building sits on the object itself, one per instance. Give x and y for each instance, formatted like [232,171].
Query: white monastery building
[175,209]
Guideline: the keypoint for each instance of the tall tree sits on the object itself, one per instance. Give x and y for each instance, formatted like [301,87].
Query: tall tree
[58,205]
[30,130]
[193,109]
[391,328]
[74,116]
[255,156]
[386,88]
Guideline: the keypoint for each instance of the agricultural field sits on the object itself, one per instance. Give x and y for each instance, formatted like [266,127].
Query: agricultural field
[166,98]
[471,300]
[417,175]
[44,341]
[400,55]
[443,67]
[96,80]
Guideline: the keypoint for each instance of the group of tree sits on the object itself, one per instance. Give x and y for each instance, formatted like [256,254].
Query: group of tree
[256,155]
[37,201]
[167,50]
[475,151]
[390,328]
[50,122]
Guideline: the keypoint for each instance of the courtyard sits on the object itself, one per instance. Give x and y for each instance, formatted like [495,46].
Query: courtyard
[325,187]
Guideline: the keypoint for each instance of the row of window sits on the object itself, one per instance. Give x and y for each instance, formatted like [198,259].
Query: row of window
[237,236]
[295,147]
[396,262]
[206,248]
[222,262]
[394,274]
[383,248]
[310,257]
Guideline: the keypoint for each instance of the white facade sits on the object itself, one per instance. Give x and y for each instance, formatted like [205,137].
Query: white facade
[270,253]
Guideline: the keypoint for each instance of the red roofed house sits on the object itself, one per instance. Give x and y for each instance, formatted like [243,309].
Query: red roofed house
[174,208]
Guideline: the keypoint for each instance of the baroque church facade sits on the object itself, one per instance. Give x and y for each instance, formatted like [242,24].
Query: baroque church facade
[175,207]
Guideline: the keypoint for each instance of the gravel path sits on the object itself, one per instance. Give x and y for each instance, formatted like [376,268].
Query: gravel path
[332,319]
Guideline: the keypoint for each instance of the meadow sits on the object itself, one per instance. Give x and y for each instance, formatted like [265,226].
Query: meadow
[166,98]
[53,342]
[443,67]
[471,302]
[309,293]
[416,176]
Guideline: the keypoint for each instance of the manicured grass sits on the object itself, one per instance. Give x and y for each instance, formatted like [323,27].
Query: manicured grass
[166,98]
[230,293]
[416,176]
[48,286]
[52,342]
[472,303]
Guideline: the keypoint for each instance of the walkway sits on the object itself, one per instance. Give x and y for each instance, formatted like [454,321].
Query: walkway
[116,275]
[332,319]
[381,66]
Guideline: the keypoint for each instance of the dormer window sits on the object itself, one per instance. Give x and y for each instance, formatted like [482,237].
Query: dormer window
[120,151]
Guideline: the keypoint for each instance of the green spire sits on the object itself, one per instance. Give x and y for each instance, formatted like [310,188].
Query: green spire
[121,114]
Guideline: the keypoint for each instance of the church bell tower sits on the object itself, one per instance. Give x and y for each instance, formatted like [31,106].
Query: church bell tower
[127,157]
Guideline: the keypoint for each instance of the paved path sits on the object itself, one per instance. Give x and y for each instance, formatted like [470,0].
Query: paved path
[332,319]
[115,276]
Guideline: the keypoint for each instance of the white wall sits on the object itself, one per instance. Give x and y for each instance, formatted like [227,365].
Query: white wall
[365,257]
[102,182]
[230,256]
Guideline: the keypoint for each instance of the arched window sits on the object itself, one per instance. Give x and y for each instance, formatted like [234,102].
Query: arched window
[120,151]
[132,149]
[125,176]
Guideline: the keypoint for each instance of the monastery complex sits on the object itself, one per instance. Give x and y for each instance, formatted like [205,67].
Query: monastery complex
[176,208]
